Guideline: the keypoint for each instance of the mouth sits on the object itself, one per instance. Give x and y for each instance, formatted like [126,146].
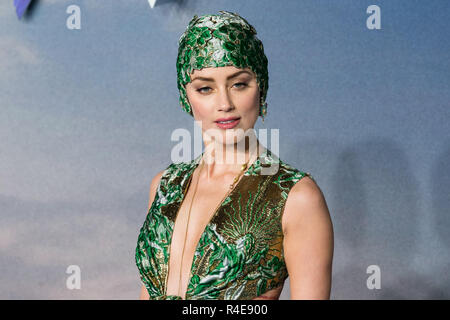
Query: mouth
[228,123]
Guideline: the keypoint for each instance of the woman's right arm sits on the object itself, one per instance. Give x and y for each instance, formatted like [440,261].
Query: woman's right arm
[153,186]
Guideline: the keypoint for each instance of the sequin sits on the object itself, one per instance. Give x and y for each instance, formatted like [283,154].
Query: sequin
[240,254]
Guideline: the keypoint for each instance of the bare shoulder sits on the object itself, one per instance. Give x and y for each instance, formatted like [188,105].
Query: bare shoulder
[156,179]
[308,241]
[305,206]
[154,186]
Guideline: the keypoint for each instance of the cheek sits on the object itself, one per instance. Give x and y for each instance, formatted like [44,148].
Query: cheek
[251,101]
[199,105]
[201,110]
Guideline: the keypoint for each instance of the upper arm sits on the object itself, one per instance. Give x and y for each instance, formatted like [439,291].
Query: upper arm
[153,187]
[308,241]
[144,293]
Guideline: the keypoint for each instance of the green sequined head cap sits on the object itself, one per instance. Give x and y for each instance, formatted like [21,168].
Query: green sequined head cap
[225,39]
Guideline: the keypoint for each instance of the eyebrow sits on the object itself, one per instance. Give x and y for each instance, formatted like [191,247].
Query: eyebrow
[229,77]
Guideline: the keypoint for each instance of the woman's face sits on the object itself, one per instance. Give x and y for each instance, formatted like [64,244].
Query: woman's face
[224,92]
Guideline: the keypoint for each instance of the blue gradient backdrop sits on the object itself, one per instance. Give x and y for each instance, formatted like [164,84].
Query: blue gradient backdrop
[86,118]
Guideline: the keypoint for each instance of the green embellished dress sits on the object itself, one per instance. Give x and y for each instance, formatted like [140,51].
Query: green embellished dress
[240,254]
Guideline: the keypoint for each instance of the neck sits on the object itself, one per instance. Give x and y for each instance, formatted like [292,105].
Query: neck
[222,159]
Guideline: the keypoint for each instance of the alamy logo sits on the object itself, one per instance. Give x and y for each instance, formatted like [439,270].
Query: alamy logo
[74,280]
[374,280]
[374,20]
[74,20]
[181,152]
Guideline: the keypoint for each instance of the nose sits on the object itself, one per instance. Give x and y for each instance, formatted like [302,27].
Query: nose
[224,102]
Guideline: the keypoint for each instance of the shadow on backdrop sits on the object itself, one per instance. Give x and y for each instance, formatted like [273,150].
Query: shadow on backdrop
[440,195]
[375,220]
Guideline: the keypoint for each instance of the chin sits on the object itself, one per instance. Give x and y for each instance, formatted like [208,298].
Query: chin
[230,136]
[235,136]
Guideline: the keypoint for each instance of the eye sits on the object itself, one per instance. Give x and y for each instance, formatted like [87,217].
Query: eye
[242,84]
[201,89]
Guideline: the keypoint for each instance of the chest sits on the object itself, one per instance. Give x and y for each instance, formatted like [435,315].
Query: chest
[232,240]
[251,210]
[199,206]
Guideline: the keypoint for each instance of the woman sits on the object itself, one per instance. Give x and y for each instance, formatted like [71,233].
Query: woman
[224,230]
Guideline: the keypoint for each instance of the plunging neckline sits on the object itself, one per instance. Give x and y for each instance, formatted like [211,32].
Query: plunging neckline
[185,190]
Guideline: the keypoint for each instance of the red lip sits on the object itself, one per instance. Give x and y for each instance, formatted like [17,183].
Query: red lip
[228,125]
[226,119]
